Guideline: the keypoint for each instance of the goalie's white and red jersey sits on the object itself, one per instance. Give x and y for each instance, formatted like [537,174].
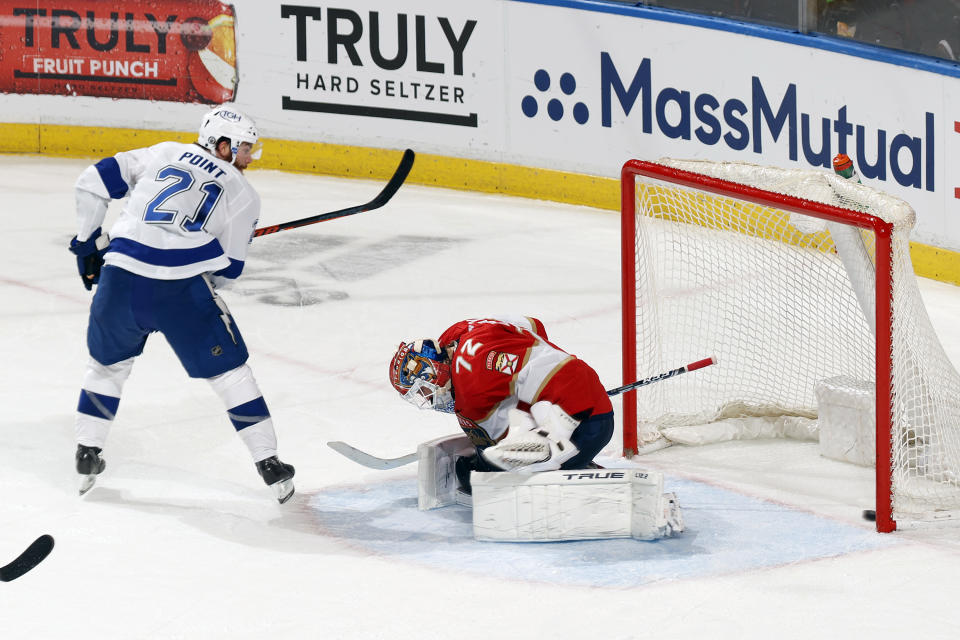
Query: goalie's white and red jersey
[507,363]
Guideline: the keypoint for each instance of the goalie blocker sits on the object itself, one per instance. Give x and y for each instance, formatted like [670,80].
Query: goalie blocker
[580,504]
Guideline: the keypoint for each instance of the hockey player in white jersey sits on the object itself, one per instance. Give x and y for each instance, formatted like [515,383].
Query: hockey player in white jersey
[183,232]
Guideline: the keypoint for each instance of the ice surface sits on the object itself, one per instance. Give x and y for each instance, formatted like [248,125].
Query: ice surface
[180,539]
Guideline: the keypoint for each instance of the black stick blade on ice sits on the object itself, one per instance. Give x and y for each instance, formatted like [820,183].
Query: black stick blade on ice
[31,557]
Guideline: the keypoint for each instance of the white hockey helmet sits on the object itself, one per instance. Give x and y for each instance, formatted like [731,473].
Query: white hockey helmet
[228,122]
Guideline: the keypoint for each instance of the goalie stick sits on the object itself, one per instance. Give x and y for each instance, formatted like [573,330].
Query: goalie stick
[406,163]
[31,557]
[368,460]
[693,366]
[374,462]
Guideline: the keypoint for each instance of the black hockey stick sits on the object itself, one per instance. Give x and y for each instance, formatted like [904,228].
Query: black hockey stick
[31,557]
[693,366]
[373,462]
[406,163]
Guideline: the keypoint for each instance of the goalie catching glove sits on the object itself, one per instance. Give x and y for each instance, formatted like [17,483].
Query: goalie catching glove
[536,441]
[90,257]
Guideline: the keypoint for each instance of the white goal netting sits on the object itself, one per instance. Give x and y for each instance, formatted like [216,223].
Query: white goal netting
[785,300]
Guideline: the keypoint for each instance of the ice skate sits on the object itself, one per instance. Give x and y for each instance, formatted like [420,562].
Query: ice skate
[89,465]
[278,476]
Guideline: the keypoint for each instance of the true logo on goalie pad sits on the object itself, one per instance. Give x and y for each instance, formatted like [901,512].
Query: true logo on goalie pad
[594,475]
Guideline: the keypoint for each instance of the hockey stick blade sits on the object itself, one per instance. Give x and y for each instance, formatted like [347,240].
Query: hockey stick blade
[31,557]
[382,198]
[693,366]
[368,460]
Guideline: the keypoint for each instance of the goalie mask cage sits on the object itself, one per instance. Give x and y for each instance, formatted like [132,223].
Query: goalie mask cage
[790,277]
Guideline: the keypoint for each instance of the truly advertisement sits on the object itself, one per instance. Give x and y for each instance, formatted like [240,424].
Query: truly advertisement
[394,63]
[172,50]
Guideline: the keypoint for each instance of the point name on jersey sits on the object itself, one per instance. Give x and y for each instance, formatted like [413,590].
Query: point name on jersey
[202,161]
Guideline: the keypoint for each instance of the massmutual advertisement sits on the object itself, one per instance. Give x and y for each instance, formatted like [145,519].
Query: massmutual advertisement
[616,88]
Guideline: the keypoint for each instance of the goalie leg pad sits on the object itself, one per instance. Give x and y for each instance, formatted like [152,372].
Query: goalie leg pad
[437,482]
[573,505]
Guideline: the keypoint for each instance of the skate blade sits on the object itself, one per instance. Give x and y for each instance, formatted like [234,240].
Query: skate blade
[283,490]
[87,482]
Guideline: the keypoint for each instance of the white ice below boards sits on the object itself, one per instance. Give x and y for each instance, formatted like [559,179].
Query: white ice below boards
[179,531]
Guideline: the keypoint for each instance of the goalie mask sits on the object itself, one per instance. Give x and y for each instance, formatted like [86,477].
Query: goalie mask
[420,373]
[227,122]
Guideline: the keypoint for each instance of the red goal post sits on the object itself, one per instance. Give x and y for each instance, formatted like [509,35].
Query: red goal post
[765,215]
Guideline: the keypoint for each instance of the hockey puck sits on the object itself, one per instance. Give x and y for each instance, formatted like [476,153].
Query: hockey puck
[870,515]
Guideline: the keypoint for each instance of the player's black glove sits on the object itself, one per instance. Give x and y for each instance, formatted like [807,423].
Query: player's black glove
[90,257]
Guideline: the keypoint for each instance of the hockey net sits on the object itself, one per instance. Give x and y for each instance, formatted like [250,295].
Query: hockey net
[789,277]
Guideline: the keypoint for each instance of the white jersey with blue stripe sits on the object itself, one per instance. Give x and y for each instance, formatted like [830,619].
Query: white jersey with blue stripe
[188,212]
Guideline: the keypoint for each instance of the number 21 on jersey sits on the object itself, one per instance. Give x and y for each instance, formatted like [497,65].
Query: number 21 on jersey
[177,181]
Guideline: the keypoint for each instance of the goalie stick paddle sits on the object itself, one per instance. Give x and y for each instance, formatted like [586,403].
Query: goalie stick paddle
[406,163]
[374,462]
[693,366]
[31,557]
[368,460]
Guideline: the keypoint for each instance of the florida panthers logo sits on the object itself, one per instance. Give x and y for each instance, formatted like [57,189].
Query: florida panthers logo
[505,363]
